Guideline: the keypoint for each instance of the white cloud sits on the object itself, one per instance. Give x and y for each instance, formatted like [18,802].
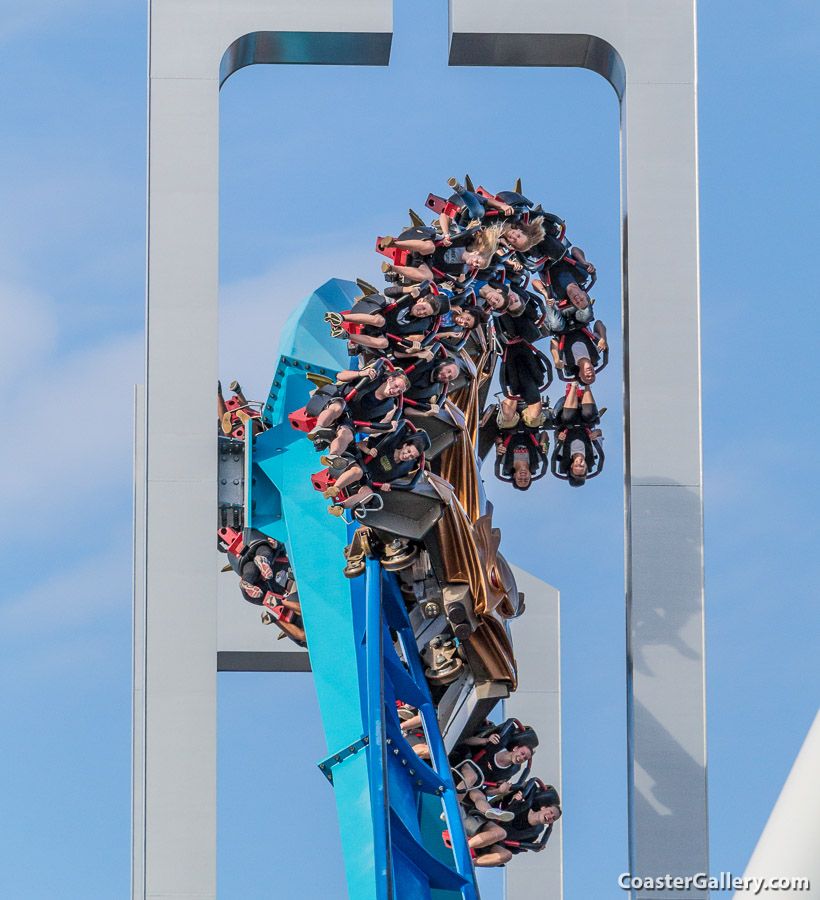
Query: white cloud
[67,600]
[27,337]
[253,310]
[70,413]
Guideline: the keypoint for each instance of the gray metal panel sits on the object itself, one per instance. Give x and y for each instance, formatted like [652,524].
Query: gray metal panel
[189,38]
[537,702]
[187,43]
[287,660]
[655,77]
[180,758]
[667,708]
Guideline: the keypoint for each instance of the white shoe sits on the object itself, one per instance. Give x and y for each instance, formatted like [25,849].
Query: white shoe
[498,815]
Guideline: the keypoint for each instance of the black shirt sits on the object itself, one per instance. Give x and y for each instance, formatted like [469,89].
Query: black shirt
[422,387]
[401,321]
[367,407]
[522,326]
[493,773]
[522,440]
[520,829]
[384,467]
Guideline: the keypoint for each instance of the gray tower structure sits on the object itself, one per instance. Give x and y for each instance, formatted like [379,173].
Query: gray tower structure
[646,50]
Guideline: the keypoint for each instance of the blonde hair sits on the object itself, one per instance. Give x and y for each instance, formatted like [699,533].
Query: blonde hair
[533,231]
[486,243]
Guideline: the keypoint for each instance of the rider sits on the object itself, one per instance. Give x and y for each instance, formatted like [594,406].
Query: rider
[374,404]
[578,454]
[377,465]
[535,807]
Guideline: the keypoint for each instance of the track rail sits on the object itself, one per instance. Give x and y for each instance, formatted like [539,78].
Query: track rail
[391,803]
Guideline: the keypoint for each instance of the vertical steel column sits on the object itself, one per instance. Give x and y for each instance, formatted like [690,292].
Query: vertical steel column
[193,48]
[647,51]
[537,702]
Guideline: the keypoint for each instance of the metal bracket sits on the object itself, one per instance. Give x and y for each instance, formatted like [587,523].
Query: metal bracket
[285,363]
[326,765]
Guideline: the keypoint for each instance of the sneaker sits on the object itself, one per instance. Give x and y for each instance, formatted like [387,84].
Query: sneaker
[534,421]
[387,241]
[334,461]
[330,492]
[387,268]
[334,318]
[366,288]
[336,510]
[252,590]
[502,422]
[321,434]
[336,331]
[498,815]
[263,565]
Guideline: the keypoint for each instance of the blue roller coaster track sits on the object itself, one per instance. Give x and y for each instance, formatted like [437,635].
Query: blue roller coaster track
[363,652]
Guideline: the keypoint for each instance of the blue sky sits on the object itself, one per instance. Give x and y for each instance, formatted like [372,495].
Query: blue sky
[302,201]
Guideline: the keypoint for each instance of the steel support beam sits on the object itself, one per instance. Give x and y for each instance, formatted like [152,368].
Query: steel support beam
[537,702]
[194,46]
[647,51]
